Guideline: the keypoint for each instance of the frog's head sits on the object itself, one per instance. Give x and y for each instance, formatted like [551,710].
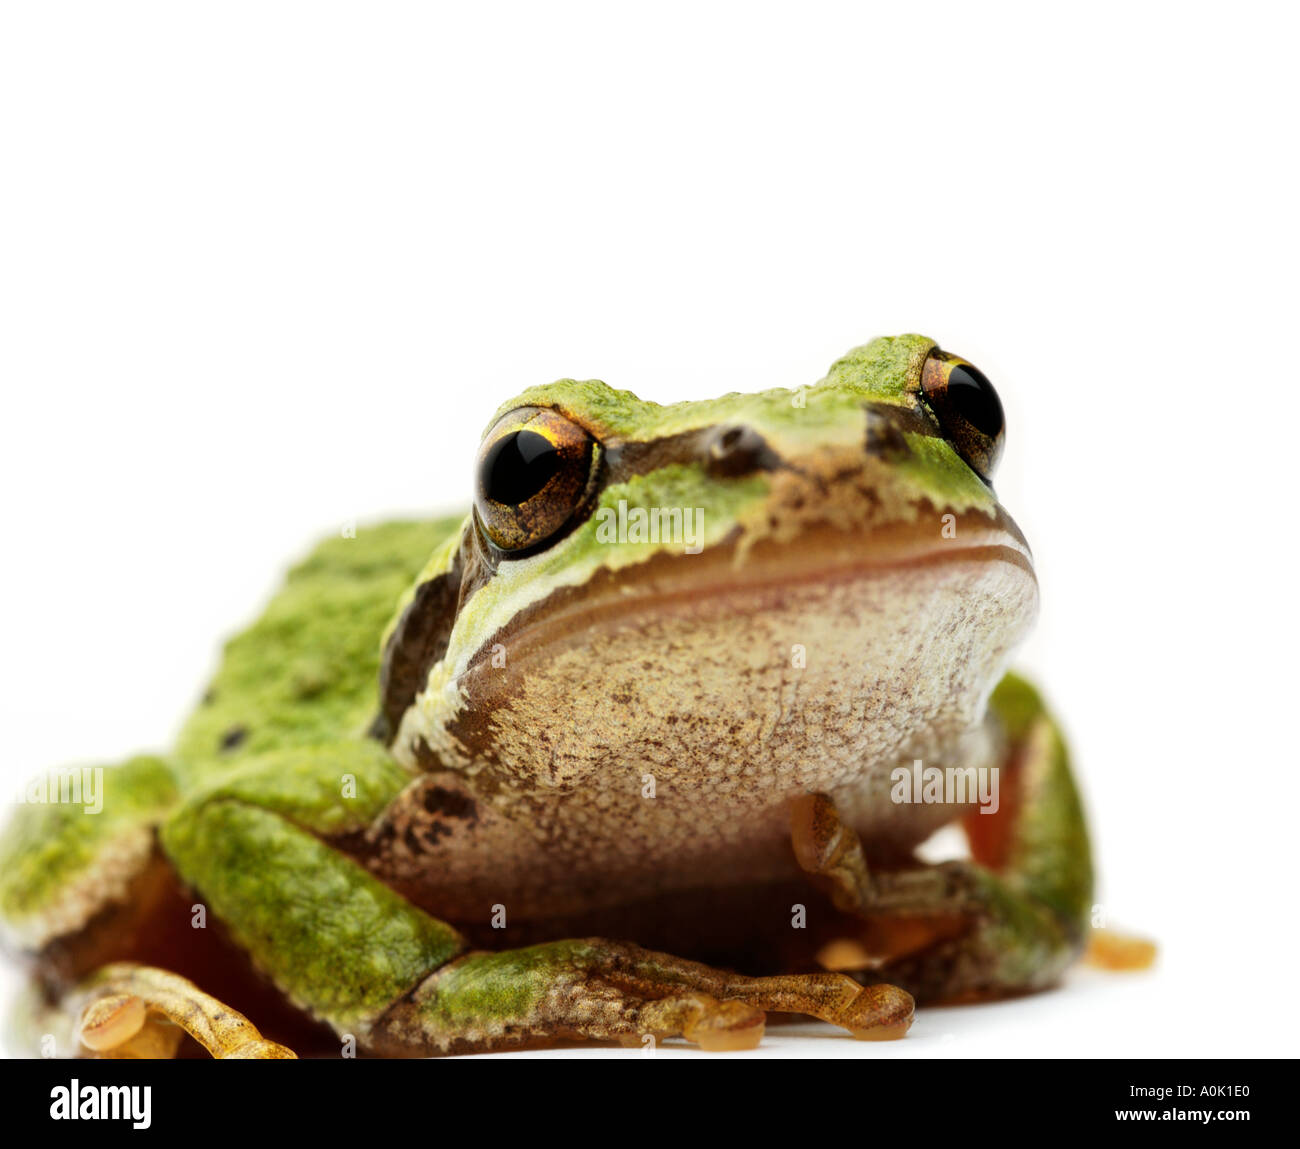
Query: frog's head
[817,579]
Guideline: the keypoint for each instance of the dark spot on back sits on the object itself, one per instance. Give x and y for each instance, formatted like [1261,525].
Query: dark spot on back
[450,804]
[233,737]
[414,842]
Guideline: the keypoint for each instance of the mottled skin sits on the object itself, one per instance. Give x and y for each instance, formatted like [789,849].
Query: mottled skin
[596,736]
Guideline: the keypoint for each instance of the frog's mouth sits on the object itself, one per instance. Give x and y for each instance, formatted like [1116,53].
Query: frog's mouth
[875,642]
[683,585]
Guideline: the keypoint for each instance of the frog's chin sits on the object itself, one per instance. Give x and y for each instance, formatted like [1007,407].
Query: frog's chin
[807,662]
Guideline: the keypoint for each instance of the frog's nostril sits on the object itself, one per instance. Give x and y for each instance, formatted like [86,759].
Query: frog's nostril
[733,451]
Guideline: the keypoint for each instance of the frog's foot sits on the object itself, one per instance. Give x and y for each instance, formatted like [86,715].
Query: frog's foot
[829,849]
[951,931]
[614,991]
[1110,950]
[1010,920]
[137,1011]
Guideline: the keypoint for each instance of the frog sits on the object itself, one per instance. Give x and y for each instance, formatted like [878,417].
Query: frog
[644,745]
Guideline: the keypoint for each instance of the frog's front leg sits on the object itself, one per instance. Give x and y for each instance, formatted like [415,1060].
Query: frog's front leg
[136,1011]
[1011,920]
[351,951]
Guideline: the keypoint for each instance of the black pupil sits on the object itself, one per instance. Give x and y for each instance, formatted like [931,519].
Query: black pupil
[517,466]
[973,398]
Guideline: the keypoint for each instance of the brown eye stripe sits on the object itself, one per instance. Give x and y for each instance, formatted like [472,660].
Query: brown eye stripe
[886,421]
[727,450]
[418,641]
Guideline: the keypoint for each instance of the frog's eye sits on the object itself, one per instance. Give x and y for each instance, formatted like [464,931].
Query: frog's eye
[968,409]
[536,471]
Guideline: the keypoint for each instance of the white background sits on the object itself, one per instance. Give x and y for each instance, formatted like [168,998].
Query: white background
[267,267]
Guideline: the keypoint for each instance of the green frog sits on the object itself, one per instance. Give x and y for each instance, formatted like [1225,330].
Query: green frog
[641,747]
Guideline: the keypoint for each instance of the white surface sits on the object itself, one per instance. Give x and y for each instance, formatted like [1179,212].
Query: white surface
[266,268]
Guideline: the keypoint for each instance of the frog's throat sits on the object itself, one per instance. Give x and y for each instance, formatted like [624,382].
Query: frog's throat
[973,571]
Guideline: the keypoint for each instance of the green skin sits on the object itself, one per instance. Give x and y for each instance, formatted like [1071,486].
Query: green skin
[247,821]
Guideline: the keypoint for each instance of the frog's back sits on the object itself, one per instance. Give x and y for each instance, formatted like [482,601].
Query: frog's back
[306,671]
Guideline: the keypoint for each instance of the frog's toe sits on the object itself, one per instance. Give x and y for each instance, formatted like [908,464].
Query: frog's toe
[111,1021]
[736,1019]
[135,1011]
[869,1012]
[716,1026]
[879,1013]
[1110,950]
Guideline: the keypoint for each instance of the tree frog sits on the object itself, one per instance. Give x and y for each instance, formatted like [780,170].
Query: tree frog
[640,747]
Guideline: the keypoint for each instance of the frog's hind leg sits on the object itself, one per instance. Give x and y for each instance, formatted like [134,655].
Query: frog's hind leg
[606,990]
[1010,921]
